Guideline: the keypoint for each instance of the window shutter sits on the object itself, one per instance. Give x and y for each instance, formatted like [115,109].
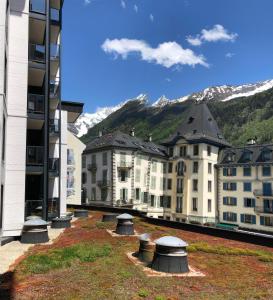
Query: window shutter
[225,216]
[225,186]
[253,219]
[262,220]
[253,203]
[242,218]
[225,200]
[234,172]
[234,201]
[225,172]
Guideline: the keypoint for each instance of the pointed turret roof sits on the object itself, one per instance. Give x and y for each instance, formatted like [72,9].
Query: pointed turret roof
[198,126]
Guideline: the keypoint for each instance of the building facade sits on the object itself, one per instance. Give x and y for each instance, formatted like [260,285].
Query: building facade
[33,119]
[245,187]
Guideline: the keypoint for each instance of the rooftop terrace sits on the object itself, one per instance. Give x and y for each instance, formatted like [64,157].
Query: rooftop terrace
[86,262]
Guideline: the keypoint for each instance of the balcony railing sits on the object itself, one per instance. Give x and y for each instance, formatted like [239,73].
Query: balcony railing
[53,166]
[35,104]
[264,210]
[35,155]
[54,51]
[124,164]
[36,53]
[92,167]
[54,89]
[54,126]
[103,183]
[263,193]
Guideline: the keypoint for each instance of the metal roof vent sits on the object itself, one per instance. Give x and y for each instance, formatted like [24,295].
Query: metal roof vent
[62,222]
[35,232]
[109,217]
[125,225]
[81,213]
[170,255]
[146,248]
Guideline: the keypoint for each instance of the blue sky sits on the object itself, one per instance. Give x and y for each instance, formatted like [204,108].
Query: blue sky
[116,49]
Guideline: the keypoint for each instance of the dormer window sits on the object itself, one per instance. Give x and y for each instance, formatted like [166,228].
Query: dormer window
[229,157]
[246,156]
[266,155]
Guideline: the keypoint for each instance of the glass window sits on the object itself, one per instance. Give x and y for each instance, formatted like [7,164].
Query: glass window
[123,175]
[170,168]
[169,184]
[194,204]
[104,158]
[195,150]
[209,205]
[210,168]
[209,150]
[247,171]
[266,171]
[195,185]
[195,167]
[209,186]
[183,151]
[247,186]
[171,152]
[137,194]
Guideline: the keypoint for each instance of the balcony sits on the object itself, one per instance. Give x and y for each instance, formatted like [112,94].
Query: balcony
[53,167]
[54,127]
[35,104]
[124,165]
[54,89]
[37,6]
[103,183]
[263,210]
[35,155]
[92,167]
[263,193]
[36,53]
[54,52]
[55,15]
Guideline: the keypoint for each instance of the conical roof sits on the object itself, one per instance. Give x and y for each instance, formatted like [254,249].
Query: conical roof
[199,126]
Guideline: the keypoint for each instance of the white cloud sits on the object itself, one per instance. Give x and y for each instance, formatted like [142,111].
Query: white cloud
[151,17]
[215,34]
[167,54]
[123,4]
[229,55]
[136,8]
[87,2]
[195,41]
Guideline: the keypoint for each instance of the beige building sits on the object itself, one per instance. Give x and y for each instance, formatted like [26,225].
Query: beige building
[245,187]
[74,168]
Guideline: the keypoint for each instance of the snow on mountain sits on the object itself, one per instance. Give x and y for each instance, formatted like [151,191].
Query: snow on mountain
[216,93]
[87,120]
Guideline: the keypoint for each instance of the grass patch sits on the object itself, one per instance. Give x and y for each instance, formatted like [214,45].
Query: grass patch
[263,256]
[102,225]
[61,258]
[143,293]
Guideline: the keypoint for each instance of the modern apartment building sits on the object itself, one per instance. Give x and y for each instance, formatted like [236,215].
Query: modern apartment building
[33,119]
[245,187]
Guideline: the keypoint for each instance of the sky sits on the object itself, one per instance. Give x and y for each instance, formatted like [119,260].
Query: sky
[113,50]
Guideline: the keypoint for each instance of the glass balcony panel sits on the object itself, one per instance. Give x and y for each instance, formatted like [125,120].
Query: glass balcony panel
[35,155]
[37,6]
[55,14]
[37,53]
[36,103]
[54,89]
[54,51]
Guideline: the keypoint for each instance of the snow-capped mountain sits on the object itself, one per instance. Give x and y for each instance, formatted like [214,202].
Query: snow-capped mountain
[217,93]
[87,120]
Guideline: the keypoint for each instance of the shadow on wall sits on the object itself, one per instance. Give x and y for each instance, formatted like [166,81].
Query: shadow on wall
[6,285]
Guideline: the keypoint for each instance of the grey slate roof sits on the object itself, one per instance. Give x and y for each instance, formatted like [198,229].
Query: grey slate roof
[199,126]
[247,155]
[121,140]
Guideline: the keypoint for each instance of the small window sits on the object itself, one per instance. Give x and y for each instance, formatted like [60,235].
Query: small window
[210,168]
[249,202]
[209,150]
[249,219]
[247,186]
[195,167]
[137,194]
[169,184]
[209,205]
[123,175]
[209,186]
[84,177]
[266,171]
[195,185]
[194,204]
[183,151]
[171,152]
[152,200]
[196,150]
[170,168]
[104,158]
[247,171]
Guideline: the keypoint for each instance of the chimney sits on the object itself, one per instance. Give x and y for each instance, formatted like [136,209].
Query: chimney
[100,133]
[132,132]
[252,141]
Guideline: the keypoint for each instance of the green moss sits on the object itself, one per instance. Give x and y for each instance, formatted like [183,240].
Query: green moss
[143,293]
[61,258]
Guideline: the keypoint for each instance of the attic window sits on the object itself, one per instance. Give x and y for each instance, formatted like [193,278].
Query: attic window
[190,120]
[246,156]
[266,155]
[229,157]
